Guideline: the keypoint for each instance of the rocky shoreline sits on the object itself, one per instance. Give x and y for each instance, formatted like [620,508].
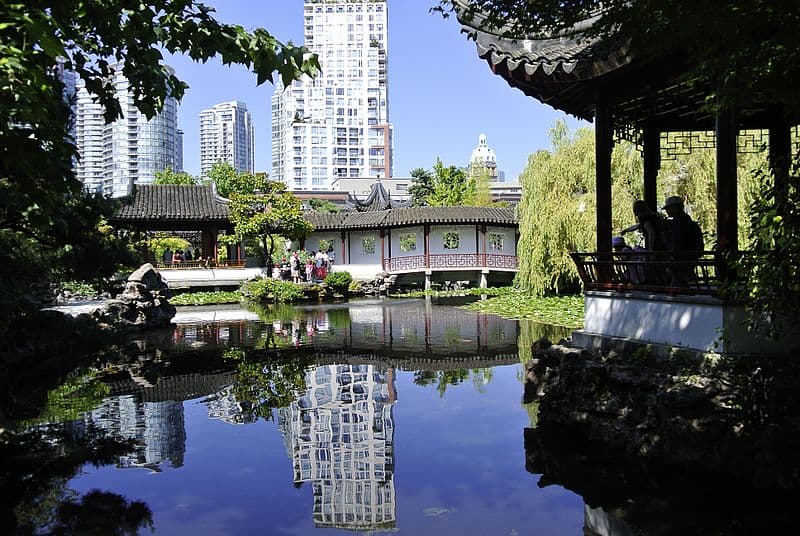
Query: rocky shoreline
[735,417]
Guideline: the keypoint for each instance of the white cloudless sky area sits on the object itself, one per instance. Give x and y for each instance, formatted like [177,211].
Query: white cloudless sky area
[442,96]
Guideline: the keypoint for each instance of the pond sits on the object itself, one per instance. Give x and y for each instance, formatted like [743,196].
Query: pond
[379,416]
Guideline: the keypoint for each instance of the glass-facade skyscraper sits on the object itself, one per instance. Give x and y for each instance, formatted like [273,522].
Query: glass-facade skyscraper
[336,125]
[129,151]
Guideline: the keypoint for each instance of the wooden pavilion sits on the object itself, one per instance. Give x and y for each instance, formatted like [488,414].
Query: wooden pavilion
[181,209]
[654,104]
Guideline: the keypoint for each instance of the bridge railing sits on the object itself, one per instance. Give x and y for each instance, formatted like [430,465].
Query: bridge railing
[658,272]
[447,261]
[196,265]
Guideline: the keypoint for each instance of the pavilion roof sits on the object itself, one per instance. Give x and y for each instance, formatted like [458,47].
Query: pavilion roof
[173,203]
[379,199]
[571,72]
[403,217]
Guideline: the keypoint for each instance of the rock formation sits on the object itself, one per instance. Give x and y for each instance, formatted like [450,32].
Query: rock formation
[734,416]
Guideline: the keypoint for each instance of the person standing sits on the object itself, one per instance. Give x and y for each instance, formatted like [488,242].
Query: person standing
[294,267]
[684,240]
[167,257]
[309,269]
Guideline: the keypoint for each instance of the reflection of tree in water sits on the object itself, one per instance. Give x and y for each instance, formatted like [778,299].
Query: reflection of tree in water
[530,332]
[36,466]
[444,378]
[264,383]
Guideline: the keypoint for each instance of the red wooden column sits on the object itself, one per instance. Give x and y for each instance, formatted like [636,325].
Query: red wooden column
[651,154]
[383,251]
[426,244]
[727,203]
[344,248]
[210,242]
[603,132]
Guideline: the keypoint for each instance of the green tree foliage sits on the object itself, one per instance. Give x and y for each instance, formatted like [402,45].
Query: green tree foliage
[229,181]
[173,177]
[422,186]
[750,45]
[451,186]
[768,275]
[265,216]
[324,206]
[48,225]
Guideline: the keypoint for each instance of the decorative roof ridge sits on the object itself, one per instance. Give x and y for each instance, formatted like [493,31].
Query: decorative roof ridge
[378,199]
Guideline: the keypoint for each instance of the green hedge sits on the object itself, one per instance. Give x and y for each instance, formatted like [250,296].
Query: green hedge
[339,281]
[269,289]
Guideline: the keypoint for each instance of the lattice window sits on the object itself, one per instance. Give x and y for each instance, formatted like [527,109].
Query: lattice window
[368,245]
[495,241]
[674,144]
[450,240]
[408,242]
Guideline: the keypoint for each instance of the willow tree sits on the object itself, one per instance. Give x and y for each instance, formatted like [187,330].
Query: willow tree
[557,209]
[558,201]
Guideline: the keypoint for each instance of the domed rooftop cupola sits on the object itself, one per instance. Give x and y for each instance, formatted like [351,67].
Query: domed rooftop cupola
[483,154]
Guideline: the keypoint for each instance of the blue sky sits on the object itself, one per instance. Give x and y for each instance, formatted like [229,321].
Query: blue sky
[441,95]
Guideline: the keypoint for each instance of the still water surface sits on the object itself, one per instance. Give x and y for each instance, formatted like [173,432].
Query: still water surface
[390,417]
[376,416]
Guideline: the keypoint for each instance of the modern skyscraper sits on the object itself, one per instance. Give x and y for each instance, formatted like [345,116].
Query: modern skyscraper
[128,151]
[336,125]
[226,134]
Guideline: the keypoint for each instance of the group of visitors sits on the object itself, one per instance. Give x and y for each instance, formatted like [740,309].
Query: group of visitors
[677,235]
[315,268]
[179,255]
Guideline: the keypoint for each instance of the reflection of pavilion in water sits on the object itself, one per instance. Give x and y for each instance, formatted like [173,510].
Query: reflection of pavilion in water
[413,327]
[157,427]
[340,436]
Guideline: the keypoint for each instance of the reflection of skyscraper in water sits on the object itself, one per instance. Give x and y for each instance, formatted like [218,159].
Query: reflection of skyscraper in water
[224,406]
[157,427]
[340,436]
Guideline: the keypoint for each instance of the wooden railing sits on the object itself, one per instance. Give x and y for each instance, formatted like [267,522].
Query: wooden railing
[450,261]
[197,265]
[660,272]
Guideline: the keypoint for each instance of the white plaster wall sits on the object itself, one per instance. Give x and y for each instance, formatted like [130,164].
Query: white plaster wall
[509,245]
[357,255]
[698,322]
[312,242]
[395,241]
[466,239]
[692,325]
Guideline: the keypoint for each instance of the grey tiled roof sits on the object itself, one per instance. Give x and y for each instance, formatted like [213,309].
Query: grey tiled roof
[401,217]
[549,68]
[420,215]
[171,202]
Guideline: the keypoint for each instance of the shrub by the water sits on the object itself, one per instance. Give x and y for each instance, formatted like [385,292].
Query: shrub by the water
[272,290]
[339,281]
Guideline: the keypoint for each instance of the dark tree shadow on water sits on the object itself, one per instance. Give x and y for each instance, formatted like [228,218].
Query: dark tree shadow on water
[35,469]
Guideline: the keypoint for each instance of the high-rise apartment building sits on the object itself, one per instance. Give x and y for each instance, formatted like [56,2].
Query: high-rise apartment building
[336,125]
[226,134]
[129,151]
